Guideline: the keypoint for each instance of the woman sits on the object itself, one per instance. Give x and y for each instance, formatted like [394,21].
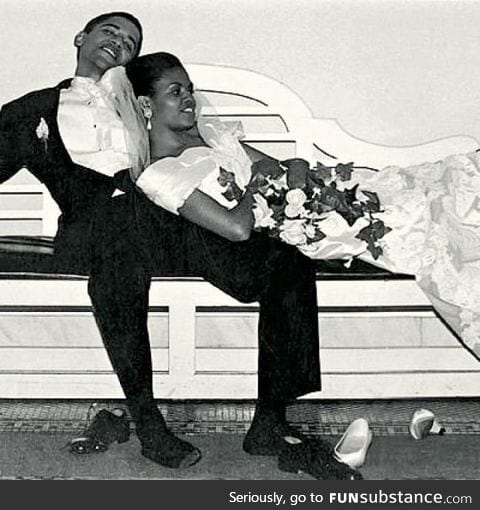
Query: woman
[200,171]
[206,236]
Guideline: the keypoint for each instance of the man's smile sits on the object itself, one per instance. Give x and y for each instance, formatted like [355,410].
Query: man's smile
[111,51]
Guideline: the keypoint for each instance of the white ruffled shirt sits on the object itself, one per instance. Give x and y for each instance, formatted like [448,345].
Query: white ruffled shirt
[91,130]
[170,181]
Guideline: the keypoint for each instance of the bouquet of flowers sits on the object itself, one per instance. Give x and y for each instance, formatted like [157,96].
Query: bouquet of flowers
[315,210]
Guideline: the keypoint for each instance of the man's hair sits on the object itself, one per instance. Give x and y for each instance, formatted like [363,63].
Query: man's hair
[103,17]
[145,71]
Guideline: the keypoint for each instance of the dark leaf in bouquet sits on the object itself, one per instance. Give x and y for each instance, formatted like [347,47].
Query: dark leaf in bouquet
[344,171]
[317,236]
[323,172]
[225,177]
[351,194]
[374,231]
[371,234]
[380,229]
[375,250]
[258,184]
[314,180]
[352,214]
[233,192]
[297,170]
[373,203]
[333,198]
[317,206]
[268,168]
[277,198]
[372,196]
[278,213]
[324,208]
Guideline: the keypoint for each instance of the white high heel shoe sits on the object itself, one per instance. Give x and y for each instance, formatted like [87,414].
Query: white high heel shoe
[353,445]
[424,423]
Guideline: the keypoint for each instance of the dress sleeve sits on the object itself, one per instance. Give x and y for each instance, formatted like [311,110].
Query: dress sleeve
[170,181]
[8,150]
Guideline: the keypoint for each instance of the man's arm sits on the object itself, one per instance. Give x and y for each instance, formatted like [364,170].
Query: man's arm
[8,144]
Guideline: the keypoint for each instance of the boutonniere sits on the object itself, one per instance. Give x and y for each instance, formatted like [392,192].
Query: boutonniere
[42,132]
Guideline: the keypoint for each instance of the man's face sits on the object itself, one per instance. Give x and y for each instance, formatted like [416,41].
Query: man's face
[113,42]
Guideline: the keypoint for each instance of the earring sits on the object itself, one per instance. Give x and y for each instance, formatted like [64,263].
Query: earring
[147,113]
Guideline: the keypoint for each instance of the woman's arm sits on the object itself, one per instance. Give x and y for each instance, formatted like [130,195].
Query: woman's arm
[234,224]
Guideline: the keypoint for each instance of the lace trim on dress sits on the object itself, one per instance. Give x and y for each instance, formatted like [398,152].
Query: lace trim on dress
[434,212]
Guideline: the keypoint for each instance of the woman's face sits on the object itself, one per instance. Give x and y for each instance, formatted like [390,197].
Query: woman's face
[173,104]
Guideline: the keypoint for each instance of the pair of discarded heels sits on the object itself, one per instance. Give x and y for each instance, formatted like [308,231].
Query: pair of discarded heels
[354,444]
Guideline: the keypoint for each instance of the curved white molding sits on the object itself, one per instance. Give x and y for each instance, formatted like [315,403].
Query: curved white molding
[332,139]
[259,87]
[318,139]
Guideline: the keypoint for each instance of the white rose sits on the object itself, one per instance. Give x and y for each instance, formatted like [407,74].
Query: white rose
[292,211]
[296,197]
[310,231]
[292,232]
[333,225]
[262,213]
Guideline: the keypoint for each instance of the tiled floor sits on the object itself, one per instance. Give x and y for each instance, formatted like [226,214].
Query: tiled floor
[35,435]
[386,418]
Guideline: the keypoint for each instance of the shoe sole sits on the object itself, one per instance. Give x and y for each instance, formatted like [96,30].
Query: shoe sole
[189,460]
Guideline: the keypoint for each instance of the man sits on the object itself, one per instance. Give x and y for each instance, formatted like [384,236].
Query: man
[55,134]
[71,139]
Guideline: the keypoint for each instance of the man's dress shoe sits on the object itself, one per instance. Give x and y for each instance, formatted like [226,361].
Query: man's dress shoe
[106,428]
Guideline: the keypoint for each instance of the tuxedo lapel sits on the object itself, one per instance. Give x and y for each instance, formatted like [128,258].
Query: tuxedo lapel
[57,153]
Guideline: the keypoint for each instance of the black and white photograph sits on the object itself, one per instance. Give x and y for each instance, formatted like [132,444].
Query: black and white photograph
[240,240]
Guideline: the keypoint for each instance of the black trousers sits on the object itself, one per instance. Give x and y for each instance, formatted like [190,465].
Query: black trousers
[133,239]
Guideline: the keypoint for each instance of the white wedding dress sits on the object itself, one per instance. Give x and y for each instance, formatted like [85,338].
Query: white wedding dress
[433,210]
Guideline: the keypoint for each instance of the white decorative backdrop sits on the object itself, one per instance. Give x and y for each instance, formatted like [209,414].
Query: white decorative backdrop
[395,72]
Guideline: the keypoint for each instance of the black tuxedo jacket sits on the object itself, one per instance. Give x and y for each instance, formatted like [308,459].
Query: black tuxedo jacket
[81,193]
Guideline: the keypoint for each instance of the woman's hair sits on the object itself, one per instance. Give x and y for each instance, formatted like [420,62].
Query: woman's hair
[143,72]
